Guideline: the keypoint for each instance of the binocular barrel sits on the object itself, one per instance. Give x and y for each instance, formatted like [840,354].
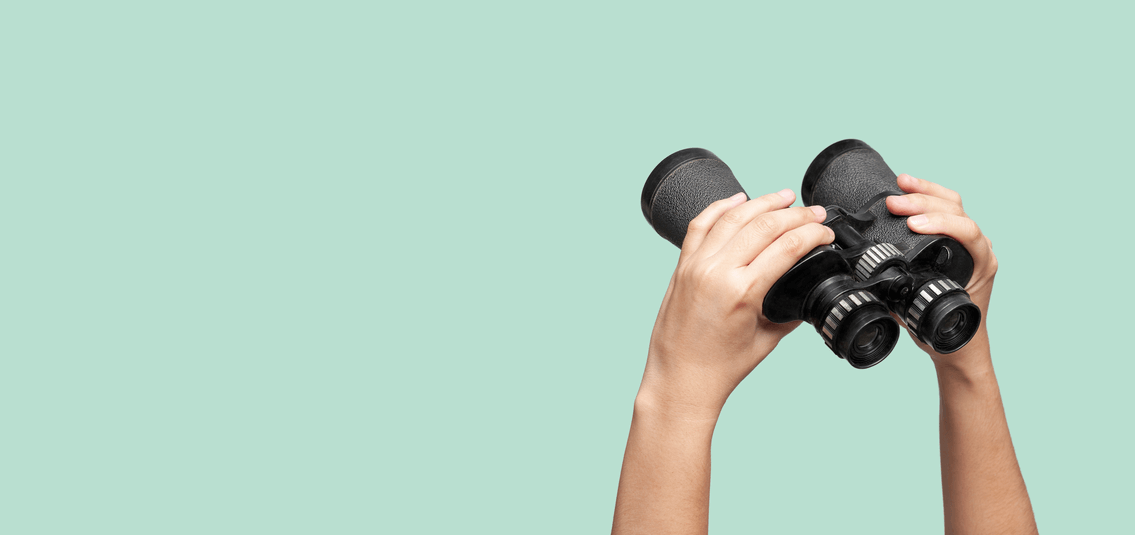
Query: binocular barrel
[848,173]
[683,185]
[848,290]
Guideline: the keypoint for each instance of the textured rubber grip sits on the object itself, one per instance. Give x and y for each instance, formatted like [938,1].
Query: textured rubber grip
[890,228]
[681,187]
[849,174]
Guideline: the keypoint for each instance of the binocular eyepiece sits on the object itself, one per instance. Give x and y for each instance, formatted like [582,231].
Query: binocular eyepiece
[851,291]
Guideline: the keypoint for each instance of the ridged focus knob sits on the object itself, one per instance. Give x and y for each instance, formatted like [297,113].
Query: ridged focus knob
[875,260]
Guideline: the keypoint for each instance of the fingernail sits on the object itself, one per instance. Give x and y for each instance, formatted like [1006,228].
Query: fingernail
[918,220]
[787,194]
[899,200]
[738,197]
[821,214]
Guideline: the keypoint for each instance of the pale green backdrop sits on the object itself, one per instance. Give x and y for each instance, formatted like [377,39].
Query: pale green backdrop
[356,267]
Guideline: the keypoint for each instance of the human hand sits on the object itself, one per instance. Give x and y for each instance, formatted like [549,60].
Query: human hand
[711,331]
[934,209]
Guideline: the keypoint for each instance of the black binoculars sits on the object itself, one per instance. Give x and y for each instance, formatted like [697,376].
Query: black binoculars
[848,290]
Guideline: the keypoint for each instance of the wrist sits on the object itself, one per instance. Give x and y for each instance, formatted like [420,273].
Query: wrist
[668,403]
[969,364]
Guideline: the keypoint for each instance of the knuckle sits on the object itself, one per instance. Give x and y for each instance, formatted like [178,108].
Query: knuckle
[969,229]
[818,230]
[816,235]
[695,271]
[764,226]
[792,244]
[954,196]
[696,224]
[803,215]
[950,207]
[744,240]
[732,217]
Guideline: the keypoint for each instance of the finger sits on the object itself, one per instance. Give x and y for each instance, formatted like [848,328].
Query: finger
[765,229]
[788,249]
[733,220]
[957,227]
[921,203]
[700,225]
[910,184]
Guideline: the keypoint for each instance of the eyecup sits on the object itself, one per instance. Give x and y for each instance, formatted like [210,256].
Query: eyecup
[865,319]
[841,313]
[663,169]
[820,163]
[971,316]
[934,302]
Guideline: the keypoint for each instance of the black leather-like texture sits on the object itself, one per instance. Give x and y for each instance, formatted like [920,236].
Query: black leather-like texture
[890,228]
[685,192]
[857,177]
[853,178]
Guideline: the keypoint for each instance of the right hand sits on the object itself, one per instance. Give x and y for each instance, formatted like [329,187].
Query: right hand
[934,209]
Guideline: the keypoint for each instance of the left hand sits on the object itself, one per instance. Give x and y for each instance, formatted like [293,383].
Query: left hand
[711,331]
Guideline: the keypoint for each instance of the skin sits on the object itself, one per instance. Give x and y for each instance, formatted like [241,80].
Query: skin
[711,333]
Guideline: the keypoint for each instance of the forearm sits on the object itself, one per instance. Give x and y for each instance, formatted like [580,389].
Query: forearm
[982,487]
[664,485]
[703,345]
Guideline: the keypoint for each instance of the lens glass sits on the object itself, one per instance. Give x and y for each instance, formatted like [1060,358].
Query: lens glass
[869,338]
[952,324]
[952,327]
[872,342]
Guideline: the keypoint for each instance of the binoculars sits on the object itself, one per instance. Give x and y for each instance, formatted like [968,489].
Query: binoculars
[876,267]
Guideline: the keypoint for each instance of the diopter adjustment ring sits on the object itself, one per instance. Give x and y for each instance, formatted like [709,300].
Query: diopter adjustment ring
[877,258]
[846,305]
[926,295]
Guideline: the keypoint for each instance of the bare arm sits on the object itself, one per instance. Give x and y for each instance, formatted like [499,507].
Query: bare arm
[709,335]
[982,487]
[664,485]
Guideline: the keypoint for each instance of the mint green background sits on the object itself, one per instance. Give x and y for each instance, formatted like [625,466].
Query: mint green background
[336,267]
